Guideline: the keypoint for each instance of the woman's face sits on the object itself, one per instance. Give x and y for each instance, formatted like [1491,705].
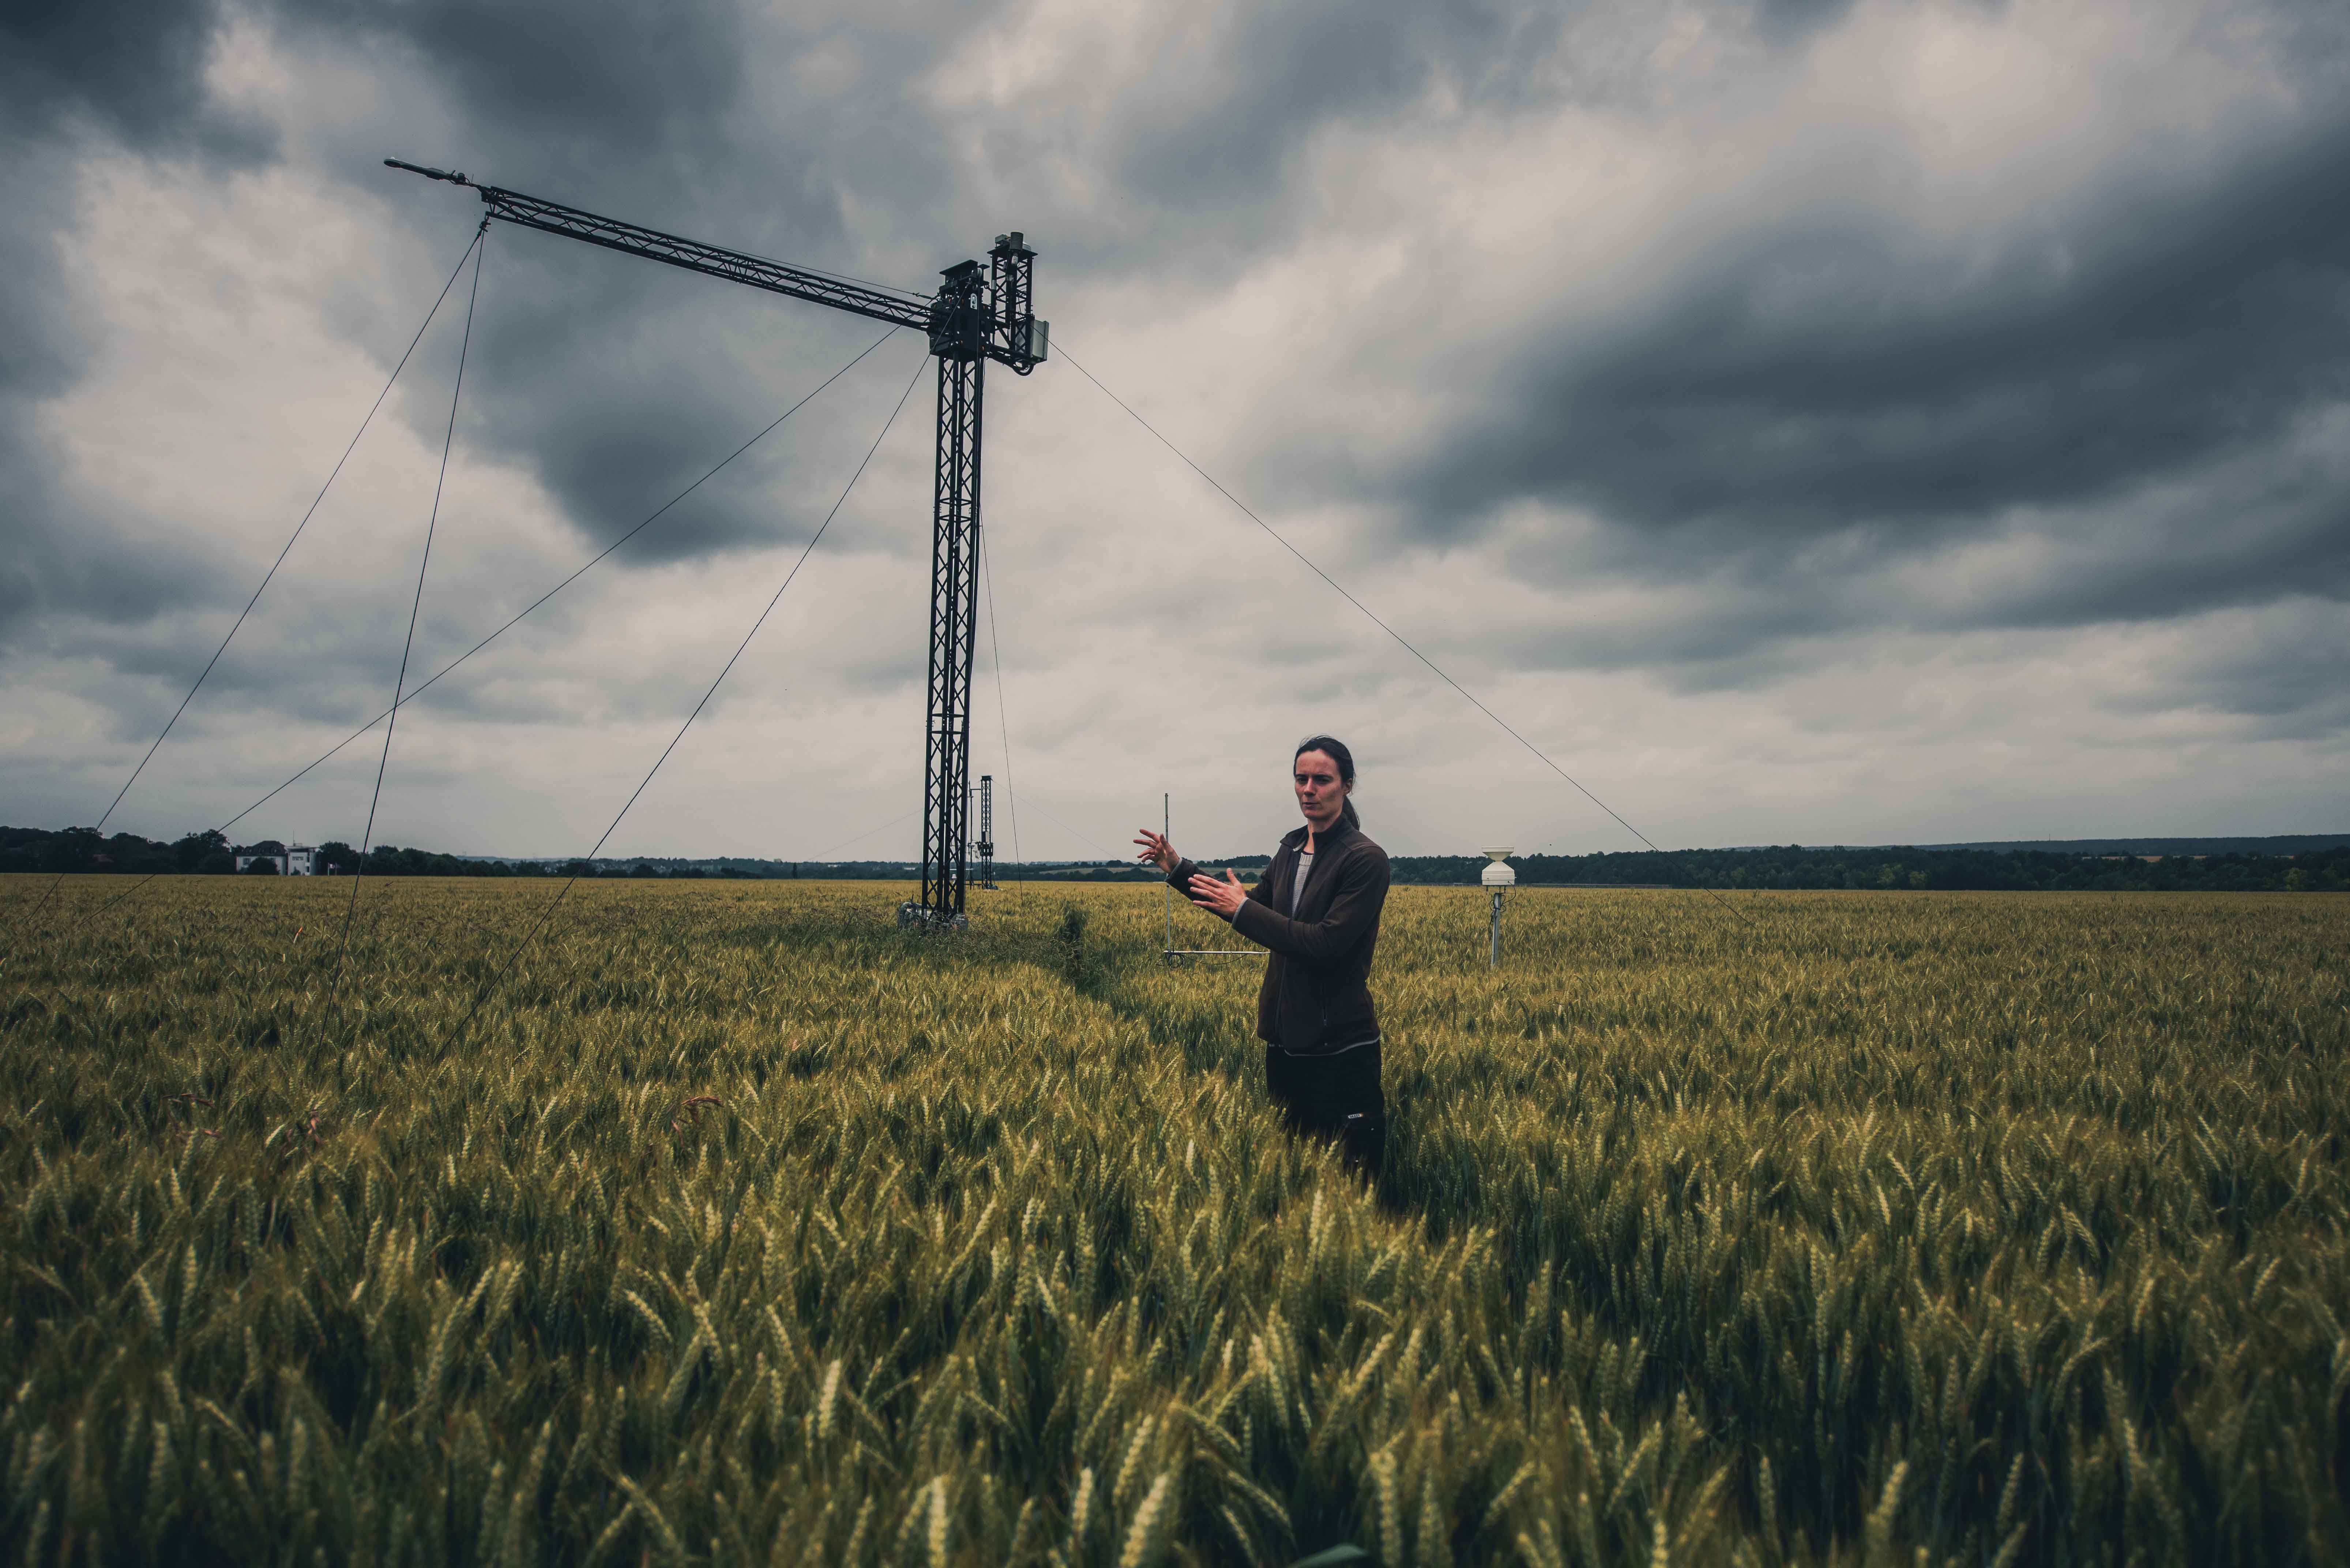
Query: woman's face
[1320,794]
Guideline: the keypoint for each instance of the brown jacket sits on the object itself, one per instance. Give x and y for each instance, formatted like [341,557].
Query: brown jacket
[1316,995]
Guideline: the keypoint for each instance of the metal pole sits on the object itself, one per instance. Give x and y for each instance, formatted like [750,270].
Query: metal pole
[1167,889]
[1496,962]
[954,584]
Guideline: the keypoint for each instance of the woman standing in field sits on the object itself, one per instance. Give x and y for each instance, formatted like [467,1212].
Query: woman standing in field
[1317,908]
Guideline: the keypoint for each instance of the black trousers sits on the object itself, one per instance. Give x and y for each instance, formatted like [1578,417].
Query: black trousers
[1332,1094]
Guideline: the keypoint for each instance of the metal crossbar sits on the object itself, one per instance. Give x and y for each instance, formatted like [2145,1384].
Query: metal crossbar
[735,266]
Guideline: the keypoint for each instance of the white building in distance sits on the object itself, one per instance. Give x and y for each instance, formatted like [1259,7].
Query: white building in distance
[297,861]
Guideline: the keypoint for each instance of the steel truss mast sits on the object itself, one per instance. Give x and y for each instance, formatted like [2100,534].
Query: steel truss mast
[976,314]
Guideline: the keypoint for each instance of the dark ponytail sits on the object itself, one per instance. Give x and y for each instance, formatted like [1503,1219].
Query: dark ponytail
[1335,750]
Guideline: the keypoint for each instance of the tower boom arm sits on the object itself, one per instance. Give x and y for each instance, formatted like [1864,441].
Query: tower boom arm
[988,313]
[776,277]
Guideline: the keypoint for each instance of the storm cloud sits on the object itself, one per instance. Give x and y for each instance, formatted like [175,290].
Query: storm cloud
[1818,375]
[1835,422]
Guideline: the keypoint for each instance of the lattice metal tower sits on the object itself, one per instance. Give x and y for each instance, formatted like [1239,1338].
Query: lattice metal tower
[976,314]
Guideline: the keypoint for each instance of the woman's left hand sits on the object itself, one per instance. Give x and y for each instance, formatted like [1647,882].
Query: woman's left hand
[1223,899]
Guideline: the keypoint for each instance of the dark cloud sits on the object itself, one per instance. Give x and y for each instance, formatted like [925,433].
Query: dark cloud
[2252,527]
[614,381]
[2273,535]
[599,104]
[2279,674]
[597,80]
[1224,99]
[618,384]
[131,72]
[1817,377]
[40,346]
[130,69]
[57,554]
[135,65]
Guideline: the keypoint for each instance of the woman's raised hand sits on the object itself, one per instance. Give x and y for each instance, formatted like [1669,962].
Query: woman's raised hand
[1158,851]
[1222,897]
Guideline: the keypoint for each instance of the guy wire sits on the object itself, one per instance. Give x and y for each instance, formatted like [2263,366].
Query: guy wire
[995,651]
[1061,346]
[654,516]
[548,913]
[415,607]
[311,512]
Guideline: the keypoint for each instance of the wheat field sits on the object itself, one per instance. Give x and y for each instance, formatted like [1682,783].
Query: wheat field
[736,1226]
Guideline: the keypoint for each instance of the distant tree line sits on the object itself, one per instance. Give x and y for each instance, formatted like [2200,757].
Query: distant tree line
[1793,866]
[85,849]
[209,853]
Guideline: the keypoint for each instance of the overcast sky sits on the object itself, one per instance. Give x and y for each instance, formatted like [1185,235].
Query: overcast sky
[1804,421]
